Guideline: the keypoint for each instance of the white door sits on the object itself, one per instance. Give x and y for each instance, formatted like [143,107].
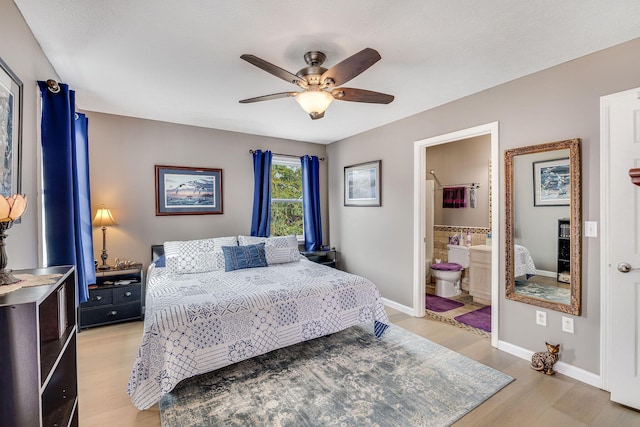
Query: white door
[621,245]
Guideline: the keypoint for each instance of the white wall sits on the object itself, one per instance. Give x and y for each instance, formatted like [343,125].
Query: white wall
[123,152]
[556,104]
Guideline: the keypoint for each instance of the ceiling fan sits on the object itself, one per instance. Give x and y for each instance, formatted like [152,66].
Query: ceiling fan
[319,83]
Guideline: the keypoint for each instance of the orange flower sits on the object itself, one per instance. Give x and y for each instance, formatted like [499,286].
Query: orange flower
[12,207]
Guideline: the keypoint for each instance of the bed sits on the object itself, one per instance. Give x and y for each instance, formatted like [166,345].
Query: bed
[523,263]
[203,318]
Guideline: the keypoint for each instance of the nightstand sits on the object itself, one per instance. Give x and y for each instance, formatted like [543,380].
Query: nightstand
[328,258]
[115,297]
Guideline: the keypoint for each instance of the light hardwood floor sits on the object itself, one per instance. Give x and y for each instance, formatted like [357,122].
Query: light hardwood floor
[106,355]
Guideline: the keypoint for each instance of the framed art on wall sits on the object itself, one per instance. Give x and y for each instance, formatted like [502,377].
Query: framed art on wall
[188,191]
[362,184]
[10,131]
[552,183]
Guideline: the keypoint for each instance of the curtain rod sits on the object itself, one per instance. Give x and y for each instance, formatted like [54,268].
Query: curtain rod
[287,155]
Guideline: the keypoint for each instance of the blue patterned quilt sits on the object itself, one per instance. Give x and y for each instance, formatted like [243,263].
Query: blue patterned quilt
[196,323]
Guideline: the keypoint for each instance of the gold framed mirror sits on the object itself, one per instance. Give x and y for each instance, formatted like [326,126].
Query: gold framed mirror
[543,225]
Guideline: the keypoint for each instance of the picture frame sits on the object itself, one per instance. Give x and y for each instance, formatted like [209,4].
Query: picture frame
[552,182]
[182,190]
[11,105]
[362,184]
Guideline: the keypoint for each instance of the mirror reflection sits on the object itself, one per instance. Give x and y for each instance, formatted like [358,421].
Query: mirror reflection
[543,225]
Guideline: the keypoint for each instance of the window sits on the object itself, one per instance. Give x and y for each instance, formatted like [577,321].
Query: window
[286,197]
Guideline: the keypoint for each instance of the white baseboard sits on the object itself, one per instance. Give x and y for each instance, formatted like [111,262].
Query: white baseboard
[403,308]
[560,367]
[546,273]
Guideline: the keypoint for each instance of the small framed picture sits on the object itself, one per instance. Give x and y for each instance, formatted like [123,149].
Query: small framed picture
[552,183]
[188,191]
[362,184]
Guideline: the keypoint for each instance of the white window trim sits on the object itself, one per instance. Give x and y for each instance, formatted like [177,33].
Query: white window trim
[289,161]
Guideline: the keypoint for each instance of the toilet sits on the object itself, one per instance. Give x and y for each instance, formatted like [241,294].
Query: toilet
[447,274]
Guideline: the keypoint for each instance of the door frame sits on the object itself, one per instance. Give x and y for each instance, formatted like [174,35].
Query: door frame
[605,242]
[419,211]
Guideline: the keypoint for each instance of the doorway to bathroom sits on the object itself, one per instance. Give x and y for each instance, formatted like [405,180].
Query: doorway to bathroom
[454,204]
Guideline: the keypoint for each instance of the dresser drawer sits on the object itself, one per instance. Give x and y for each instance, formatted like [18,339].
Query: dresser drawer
[126,294]
[112,313]
[98,297]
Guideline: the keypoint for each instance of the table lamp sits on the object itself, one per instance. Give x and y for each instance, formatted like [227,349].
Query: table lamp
[11,208]
[102,219]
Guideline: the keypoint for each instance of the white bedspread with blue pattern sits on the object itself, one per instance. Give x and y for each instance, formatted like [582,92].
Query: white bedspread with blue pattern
[195,323]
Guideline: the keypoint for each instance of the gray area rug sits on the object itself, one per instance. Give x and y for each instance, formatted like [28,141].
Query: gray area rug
[349,378]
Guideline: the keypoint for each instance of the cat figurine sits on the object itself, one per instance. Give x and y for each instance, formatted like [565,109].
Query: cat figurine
[543,361]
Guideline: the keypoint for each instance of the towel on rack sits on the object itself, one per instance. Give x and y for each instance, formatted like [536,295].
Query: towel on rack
[454,197]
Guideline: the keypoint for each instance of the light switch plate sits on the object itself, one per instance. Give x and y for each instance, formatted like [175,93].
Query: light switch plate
[590,229]
[567,324]
[541,318]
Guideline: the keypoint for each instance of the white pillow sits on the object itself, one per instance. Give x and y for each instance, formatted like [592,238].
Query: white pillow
[251,240]
[196,256]
[278,249]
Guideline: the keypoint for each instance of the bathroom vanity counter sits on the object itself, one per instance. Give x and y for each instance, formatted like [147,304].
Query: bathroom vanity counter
[480,273]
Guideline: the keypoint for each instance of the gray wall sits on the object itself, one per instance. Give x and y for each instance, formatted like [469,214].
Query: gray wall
[555,104]
[22,53]
[461,162]
[123,152]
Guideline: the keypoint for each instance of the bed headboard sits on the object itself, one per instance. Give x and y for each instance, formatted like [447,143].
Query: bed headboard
[156,252]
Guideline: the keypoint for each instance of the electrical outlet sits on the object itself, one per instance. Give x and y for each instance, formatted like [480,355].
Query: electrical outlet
[541,318]
[567,324]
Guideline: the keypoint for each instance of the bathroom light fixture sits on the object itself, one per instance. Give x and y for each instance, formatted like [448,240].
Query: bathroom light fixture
[103,219]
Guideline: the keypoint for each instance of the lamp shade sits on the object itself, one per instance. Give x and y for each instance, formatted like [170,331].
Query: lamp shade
[103,218]
[12,207]
[314,101]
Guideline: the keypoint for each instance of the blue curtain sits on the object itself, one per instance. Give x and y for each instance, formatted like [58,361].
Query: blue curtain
[311,203]
[261,218]
[65,176]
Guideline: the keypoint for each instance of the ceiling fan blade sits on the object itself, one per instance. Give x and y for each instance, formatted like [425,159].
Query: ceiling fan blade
[268,97]
[272,69]
[361,95]
[350,67]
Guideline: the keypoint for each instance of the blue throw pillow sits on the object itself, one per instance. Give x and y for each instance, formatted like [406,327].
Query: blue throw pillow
[160,261]
[249,256]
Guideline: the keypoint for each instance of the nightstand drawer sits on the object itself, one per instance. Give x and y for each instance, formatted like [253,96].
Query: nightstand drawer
[98,297]
[118,297]
[125,294]
[102,315]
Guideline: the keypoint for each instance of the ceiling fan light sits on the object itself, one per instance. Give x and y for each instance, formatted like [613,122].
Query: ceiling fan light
[314,101]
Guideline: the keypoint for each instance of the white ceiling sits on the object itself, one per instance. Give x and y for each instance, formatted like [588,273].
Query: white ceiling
[179,61]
